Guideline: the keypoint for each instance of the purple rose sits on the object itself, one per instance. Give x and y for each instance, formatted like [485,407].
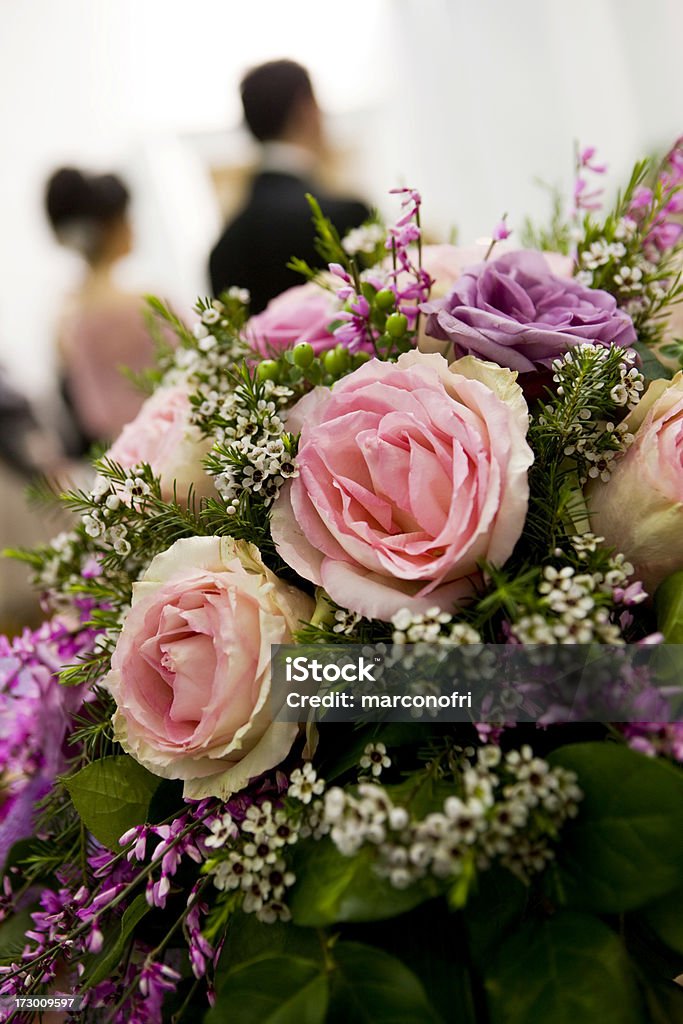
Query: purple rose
[513,311]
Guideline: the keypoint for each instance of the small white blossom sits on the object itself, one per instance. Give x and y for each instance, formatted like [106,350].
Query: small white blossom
[304,784]
[375,758]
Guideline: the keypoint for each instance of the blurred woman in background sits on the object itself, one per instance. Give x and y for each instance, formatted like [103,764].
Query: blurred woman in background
[27,450]
[102,328]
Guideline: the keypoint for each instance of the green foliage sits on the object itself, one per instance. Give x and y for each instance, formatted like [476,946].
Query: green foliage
[557,236]
[247,939]
[665,917]
[331,887]
[12,931]
[93,732]
[669,608]
[650,364]
[659,286]
[663,1001]
[567,969]
[495,910]
[370,987]
[276,990]
[567,424]
[327,242]
[355,984]
[329,247]
[625,848]
[113,953]
[111,796]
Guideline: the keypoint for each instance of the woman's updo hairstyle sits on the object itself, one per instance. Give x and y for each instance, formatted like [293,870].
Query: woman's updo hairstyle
[81,206]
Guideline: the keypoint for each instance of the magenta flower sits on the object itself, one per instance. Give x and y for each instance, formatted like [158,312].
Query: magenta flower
[501,231]
[35,713]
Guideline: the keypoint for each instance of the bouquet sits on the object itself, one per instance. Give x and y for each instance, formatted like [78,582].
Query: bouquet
[422,464]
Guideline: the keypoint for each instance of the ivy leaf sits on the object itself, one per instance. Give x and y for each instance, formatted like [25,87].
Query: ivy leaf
[248,939]
[494,910]
[332,887]
[665,917]
[625,847]
[112,795]
[569,969]
[365,986]
[275,990]
[664,1001]
[12,935]
[113,954]
[371,987]
[669,608]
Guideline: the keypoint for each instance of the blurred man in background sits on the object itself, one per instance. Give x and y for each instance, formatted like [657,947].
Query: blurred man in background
[282,114]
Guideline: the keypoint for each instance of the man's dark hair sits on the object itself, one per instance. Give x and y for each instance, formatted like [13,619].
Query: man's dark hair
[269,93]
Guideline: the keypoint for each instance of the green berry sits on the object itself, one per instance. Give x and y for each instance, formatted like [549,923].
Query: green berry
[385,299]
[303,355]
[336,360]
[360,358]
[268,370]
[397,325]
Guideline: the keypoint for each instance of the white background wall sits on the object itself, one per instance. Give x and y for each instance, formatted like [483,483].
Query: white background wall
[468,100]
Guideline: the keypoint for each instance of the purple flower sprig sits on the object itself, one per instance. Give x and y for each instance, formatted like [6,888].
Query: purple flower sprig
[657,211]
[499,234]
[587,199]
[381,306]
[139,995]
[71,918]
[146,988]
[655,739]
[634,253]
[35,717]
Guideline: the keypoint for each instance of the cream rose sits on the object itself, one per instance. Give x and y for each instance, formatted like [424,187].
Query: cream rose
[191,671]
[639,510]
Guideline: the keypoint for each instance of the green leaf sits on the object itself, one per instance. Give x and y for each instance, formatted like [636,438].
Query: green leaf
[434,943]
[332,887]
[12,932]
[112,795]
[276,990]
[664,1000]
[665,917]
[571,969]
[625,848]
[249,939]
[495,908]
[113,953]
[669,608]
[371,987]
[651,366]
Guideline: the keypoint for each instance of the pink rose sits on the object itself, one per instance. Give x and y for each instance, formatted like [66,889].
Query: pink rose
[409,475]
[639,510]
[302,313]
[163,435]
[191,671]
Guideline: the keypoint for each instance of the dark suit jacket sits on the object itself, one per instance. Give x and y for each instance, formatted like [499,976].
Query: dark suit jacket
[273,226]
